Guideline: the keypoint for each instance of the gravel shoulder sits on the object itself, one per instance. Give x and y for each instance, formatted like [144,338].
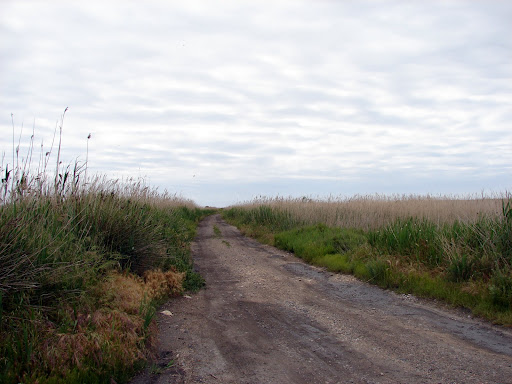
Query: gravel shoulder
[267,317]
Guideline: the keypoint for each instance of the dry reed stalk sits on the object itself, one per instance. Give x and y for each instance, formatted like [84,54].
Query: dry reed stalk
[374,211]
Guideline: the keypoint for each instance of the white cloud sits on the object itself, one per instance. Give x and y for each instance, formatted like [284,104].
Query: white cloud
[364,96]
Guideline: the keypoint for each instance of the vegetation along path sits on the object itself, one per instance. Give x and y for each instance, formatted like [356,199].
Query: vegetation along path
[267,317]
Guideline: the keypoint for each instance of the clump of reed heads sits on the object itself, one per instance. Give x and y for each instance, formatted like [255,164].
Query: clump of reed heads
[375,211]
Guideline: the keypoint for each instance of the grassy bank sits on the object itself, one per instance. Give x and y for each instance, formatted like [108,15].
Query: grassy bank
[84,264]
[455,250]
[81,277]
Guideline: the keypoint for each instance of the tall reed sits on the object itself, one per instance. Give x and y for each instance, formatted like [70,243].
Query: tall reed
[374,211]
[73,253]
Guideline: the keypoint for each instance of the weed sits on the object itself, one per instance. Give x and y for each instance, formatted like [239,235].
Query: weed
[158,369]
[155,369]
[378,271]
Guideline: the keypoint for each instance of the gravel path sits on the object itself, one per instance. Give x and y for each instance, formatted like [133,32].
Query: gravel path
[266,317]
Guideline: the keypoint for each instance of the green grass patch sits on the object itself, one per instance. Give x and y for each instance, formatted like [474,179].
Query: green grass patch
[336,263]
[316,241]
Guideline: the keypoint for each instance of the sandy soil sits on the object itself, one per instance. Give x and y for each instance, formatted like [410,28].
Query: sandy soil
[266,317]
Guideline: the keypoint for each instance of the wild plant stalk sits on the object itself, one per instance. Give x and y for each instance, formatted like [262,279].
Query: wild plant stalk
[87,159]
[57,176]
[13,151]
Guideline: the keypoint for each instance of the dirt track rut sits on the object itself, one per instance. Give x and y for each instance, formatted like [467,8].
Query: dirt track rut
[266,317]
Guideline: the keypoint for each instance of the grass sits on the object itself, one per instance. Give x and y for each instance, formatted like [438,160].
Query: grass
[451,249]
[316,241]
[365,212]
[85,261]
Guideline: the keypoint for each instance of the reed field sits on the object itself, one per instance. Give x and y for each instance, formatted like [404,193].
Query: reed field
[454,249]
[84,263]
[375,211]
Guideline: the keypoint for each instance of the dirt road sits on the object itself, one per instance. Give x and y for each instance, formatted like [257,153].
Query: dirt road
[266,317]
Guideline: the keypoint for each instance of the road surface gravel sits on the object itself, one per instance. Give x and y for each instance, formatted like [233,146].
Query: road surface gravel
[267,317]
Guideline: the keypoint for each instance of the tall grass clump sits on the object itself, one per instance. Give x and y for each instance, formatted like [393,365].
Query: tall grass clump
[83,262]
[455,249]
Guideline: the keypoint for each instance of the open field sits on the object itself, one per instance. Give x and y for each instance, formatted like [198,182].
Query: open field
[458,250]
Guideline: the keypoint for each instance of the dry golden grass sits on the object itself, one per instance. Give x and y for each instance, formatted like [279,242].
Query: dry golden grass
[116,335]
[160,284]
[374,211]
[126,292]
[116,330]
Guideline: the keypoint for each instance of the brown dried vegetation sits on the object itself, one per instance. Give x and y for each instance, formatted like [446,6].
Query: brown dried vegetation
[118,330]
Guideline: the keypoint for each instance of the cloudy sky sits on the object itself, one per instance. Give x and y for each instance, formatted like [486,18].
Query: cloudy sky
[222,101]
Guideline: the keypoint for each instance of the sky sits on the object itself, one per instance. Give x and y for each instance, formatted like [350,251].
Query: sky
[224,101]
